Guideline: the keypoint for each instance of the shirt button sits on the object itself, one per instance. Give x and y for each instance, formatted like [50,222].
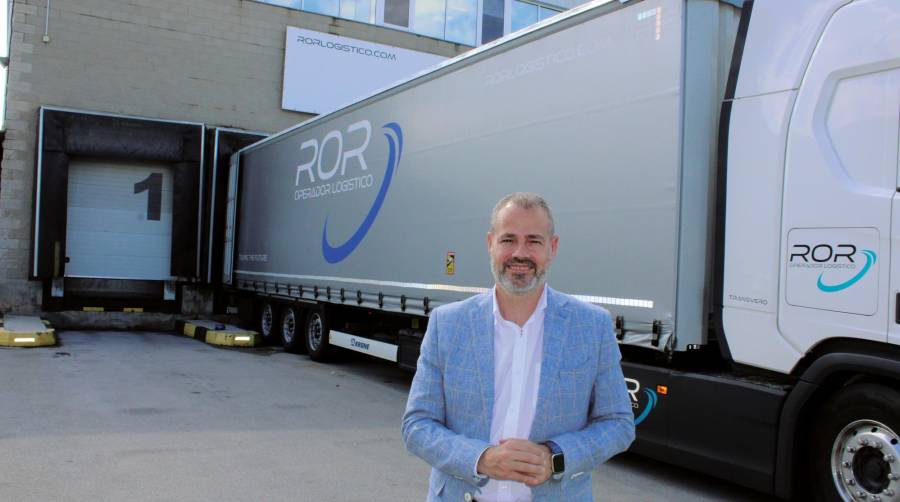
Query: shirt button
[467,497]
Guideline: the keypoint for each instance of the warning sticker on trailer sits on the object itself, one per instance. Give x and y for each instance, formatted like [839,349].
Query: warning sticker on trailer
[450,263]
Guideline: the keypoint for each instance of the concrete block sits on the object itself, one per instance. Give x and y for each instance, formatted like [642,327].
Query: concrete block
[16,144]
[13,218]
[15,252]
[8,203]
[14,115]
[12,167]
[12,154]
[19,124]
[22,66]
[17,294]
[19,88]
[24,29]
[21,49]
[23,106]
[13,184]
[16,134]
[26,9]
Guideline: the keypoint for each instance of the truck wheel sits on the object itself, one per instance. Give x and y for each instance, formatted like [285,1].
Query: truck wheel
[855,446]
[267,321]
[291,330]
[316,331]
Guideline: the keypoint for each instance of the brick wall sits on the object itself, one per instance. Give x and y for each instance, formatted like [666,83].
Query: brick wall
[214,61]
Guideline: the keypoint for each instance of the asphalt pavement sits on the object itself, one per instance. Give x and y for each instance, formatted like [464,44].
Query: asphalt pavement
[114,415]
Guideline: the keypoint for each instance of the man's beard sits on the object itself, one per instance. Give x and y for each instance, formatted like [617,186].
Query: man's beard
[517,285]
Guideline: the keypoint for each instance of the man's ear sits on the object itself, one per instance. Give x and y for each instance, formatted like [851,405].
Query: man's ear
[554,244]
[490,241]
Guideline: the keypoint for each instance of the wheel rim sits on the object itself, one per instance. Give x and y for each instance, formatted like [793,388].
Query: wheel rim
[314,332]
[288,326]
[864,462]
[266,320]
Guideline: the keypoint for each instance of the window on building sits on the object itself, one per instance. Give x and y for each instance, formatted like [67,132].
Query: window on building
[545,12]
[327,7]
[396,12]
[358,10]
[525,14]
[491,20]
[451,20]
[429,17]
[461,21]
[292,4]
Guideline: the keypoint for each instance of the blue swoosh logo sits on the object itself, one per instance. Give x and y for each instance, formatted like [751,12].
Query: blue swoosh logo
[335,254]
[870,259]
[651,403]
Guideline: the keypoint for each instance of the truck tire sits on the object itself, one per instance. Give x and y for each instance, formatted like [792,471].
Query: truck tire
[855,447]
[291,330]
[266,321]
[316,335]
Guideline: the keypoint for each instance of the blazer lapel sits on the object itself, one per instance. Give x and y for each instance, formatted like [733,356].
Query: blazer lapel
[482,330]
[554,338]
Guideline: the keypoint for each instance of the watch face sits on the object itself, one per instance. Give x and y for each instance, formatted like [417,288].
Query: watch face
[559,463]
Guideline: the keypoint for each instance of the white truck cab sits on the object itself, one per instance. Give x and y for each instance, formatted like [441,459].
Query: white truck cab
[812,178]
[811,242]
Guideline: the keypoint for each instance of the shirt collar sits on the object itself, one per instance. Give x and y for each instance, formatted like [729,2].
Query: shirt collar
[538,310]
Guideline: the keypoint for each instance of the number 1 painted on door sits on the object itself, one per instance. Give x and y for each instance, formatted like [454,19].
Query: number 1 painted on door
[153,184]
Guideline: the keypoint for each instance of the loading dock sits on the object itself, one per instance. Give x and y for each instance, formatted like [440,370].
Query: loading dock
[117,210]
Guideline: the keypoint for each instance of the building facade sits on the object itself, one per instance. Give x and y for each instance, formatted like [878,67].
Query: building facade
[112,103]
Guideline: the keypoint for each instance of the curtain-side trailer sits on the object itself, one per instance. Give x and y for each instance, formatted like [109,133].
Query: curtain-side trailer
[723,177]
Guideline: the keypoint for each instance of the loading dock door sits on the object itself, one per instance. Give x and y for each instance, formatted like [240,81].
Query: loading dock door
[119,223]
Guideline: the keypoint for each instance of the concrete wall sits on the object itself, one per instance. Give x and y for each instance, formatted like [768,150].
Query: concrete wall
[214,61]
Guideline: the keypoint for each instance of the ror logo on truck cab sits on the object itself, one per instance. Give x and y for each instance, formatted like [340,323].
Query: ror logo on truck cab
[834,269]
[832,257]
[319,176]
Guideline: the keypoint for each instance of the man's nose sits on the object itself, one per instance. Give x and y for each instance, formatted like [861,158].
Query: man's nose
[520,250]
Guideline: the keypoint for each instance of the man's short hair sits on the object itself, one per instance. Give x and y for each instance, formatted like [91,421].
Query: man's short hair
[524,200]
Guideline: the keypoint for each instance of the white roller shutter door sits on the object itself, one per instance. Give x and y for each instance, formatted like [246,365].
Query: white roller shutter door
[119,220]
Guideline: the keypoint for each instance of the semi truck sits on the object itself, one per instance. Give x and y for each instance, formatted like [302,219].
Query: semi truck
[724,180]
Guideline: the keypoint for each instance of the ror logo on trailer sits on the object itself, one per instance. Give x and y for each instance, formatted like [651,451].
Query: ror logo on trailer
[321,177]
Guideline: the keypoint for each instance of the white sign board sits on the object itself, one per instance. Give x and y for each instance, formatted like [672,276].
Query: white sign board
[324,72]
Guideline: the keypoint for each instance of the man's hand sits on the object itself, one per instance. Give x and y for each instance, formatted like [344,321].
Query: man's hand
[517,460]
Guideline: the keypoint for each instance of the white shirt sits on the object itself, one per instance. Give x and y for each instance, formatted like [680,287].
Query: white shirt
[517,374]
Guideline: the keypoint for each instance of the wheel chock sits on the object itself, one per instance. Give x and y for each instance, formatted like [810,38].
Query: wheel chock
[216,333]
[26,331]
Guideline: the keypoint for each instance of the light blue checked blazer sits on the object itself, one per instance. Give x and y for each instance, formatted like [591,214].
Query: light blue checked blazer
[582,405]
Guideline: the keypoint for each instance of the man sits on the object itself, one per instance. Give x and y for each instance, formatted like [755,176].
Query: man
[518,392]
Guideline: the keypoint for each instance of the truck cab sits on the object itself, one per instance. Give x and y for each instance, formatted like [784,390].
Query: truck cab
[811,243]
